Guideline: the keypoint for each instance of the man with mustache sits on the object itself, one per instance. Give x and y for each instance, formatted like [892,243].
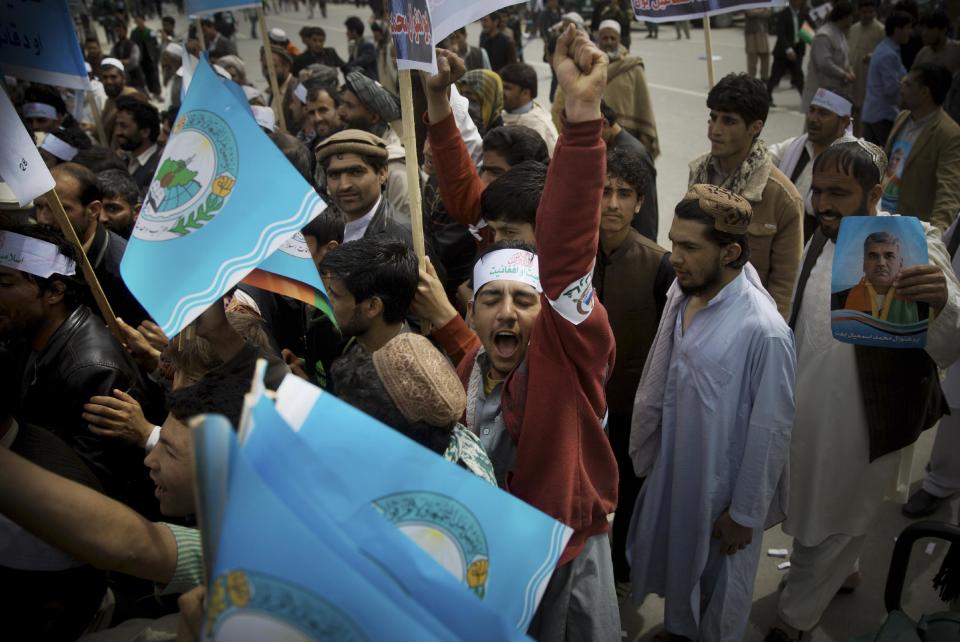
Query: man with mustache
[858,407]
[875,294]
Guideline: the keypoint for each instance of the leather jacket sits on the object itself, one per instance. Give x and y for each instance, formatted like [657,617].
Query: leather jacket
[81,360]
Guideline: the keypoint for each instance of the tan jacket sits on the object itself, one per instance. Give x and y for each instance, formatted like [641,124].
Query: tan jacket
[930,184]
[775,233]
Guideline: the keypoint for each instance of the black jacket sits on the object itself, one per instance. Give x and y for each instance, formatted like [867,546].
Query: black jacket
[786,38]
[105,254]
[81,360]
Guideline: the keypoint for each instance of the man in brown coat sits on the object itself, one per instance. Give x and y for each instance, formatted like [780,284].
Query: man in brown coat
[738,160]
[926,181]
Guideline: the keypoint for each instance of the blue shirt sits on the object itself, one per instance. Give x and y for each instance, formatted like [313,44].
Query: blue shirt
[883,83]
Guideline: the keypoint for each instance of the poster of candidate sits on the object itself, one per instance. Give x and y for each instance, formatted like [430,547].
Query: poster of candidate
[673,10]
[866,308]
[412,33]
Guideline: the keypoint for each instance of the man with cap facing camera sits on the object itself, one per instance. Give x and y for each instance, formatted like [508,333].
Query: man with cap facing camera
[355,164]
[711,426]
[535,367]
[114,80]
[365,104]
[828,118]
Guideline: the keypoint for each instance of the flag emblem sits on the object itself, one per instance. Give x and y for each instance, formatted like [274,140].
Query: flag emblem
[194,180]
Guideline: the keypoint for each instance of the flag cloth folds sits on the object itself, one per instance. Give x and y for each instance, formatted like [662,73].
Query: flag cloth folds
[501,549]
[450,15]
[20,164]
[660,11]
[274,578]
[38,43]
[223,199]
[196,8]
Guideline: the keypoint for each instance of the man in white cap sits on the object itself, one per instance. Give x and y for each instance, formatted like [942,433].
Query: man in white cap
[828,120]
[626,90]
[114,78]
[170,82]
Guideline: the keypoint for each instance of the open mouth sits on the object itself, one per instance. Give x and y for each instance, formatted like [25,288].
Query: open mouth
[506,344]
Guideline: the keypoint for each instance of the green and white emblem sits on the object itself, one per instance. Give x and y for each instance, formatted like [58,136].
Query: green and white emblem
[195,178]
[446,530]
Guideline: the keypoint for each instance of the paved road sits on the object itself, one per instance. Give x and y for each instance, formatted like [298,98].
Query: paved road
[676,73]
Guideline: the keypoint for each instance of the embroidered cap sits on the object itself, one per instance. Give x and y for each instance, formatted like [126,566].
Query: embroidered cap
[731,213]
[420,380]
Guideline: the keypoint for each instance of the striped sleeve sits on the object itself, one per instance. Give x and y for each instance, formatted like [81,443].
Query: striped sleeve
[189,571]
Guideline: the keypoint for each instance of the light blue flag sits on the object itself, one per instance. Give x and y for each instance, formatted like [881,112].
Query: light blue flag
[502,549]
[38,43]
[303,481]
[196,8]
[223,199]
[450,15]
[276,579]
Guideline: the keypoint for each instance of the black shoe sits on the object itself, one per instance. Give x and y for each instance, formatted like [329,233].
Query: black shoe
[921,504]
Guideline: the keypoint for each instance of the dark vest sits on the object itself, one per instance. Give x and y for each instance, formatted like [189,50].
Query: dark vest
[900,387]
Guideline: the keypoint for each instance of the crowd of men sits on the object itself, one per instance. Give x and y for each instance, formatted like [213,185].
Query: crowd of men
[668,405]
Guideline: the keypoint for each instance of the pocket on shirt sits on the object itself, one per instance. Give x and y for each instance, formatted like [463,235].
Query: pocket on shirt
[708,375]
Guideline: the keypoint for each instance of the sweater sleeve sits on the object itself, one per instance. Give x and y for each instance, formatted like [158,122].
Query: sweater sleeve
[460,185]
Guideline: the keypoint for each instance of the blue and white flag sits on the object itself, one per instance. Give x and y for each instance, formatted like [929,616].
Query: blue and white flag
[450,15]
[38,43]
[274,578]
[224,198]
[300,478]
[503,550]
[673,10]
[197,8]
[21,166]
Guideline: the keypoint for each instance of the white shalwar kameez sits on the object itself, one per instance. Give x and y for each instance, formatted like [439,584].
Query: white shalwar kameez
[835,491]
[727,408]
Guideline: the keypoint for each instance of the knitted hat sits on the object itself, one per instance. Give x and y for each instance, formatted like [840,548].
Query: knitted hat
[420,380]
[731,213]
[352,141]
[374,96]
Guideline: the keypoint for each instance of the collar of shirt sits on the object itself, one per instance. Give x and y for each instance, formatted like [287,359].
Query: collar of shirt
[523,110]
[354,230]
[921,122]
[142,159]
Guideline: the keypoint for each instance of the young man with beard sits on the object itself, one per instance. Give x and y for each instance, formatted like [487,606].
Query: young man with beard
[135,131]
[711,426]
[320,113]
[114,79]
[738,161]
[535,368]
[828,118]
[120,198]
[858,407]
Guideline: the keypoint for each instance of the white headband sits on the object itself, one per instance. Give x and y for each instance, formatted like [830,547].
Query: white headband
[832,102]
[39,110]
[507,265]
[264,117]
[27,254]
[112,62]
[609,24]
[301,93]
[58,147]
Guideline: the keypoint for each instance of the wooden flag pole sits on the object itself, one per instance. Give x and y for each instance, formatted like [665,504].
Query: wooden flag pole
[97,118]
[203,41]
[413,173]
[271,69]
[708,42]
[53,199]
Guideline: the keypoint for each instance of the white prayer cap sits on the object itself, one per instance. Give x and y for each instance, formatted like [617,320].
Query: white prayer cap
[610,24]
[507,265]
[223,73]
[265,117]
[251,92]
[173,49]
[832,102]
[278,35]
[112,62]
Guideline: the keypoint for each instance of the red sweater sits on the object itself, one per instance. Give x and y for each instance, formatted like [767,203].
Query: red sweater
[564,464]
[460,185]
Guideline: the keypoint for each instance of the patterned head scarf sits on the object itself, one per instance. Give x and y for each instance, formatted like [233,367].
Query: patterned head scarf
[488,88]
